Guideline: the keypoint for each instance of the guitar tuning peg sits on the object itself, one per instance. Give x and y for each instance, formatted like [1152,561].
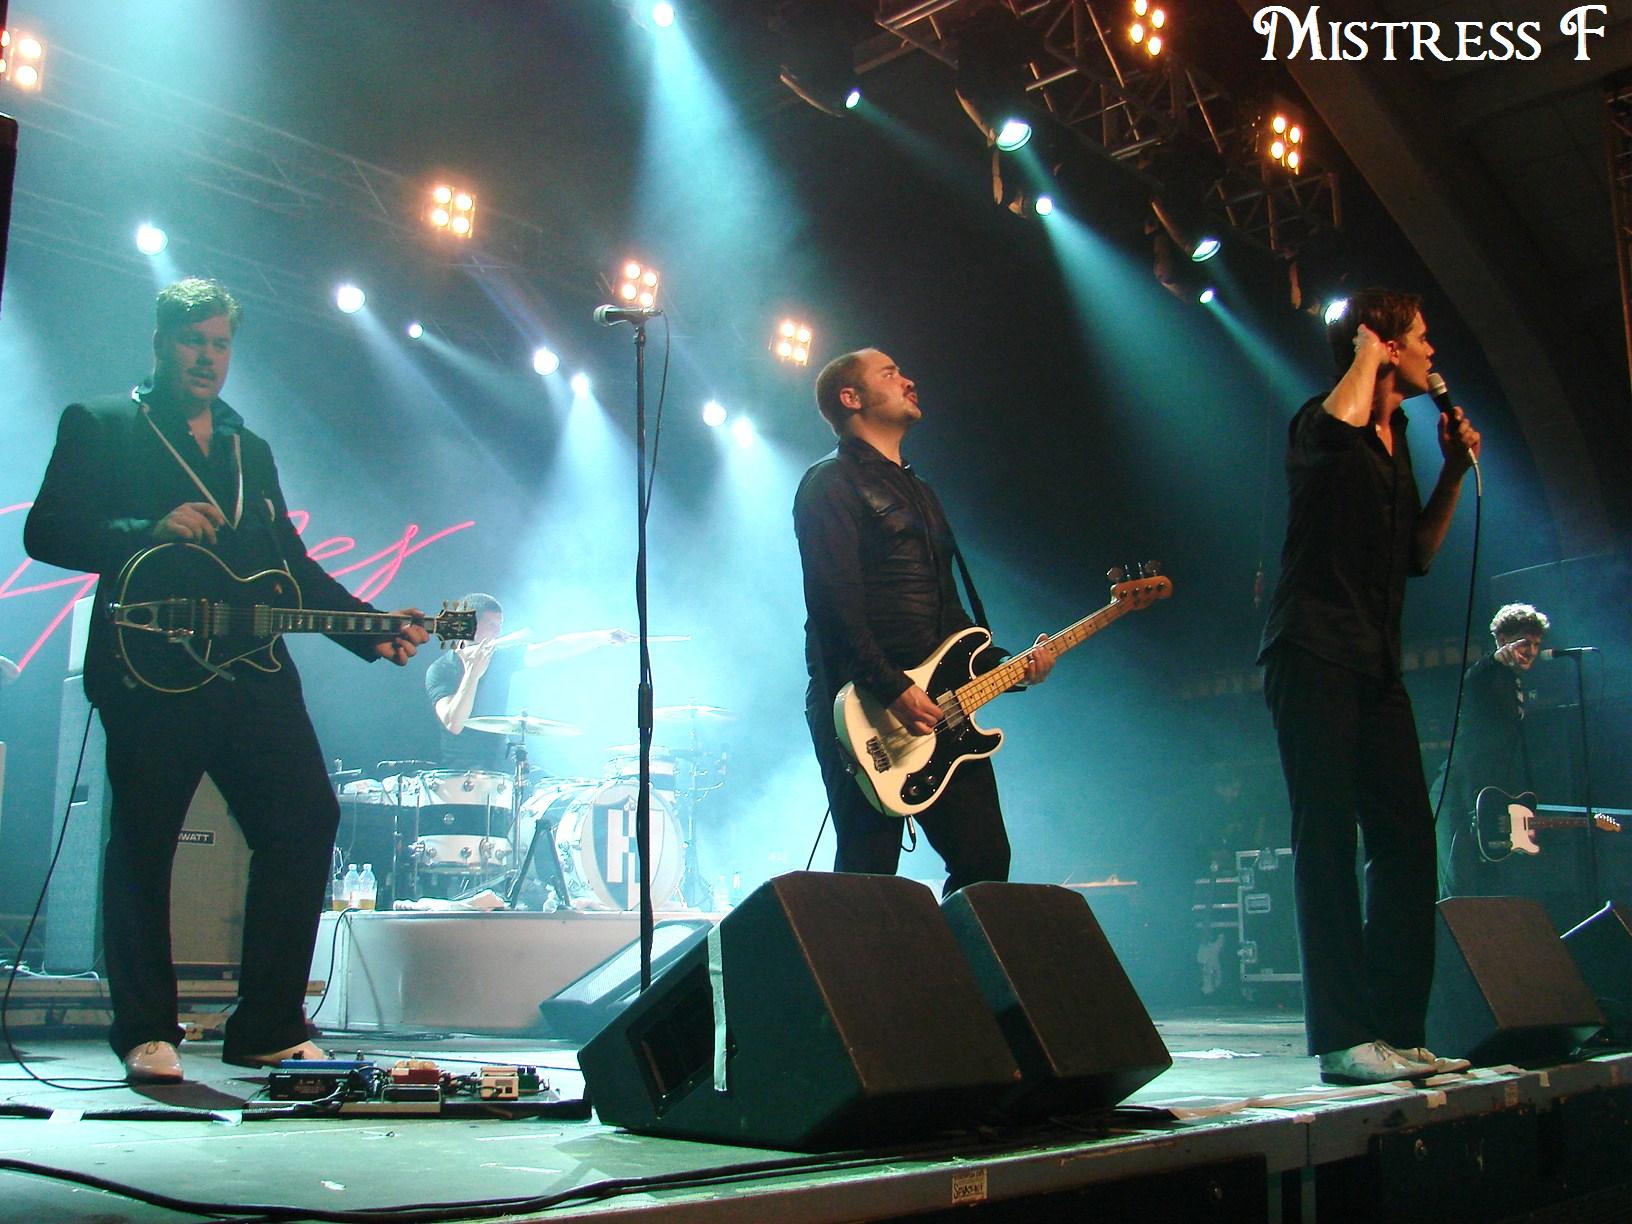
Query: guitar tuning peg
[1115,574]
[1151,568]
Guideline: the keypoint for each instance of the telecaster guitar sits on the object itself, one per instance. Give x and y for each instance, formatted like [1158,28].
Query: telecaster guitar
[1508,823]
[901,773]
[182,618]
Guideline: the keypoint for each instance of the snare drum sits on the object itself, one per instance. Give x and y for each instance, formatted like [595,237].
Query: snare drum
[595,834]
[461,852]
[463,787]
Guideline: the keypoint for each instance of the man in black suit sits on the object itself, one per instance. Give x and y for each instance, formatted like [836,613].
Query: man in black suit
[171,461]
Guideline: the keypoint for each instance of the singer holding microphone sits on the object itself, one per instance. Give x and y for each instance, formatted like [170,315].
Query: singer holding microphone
[1357,529]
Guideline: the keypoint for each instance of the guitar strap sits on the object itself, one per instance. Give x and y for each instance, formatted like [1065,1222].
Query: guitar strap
[975,606]
[237,463]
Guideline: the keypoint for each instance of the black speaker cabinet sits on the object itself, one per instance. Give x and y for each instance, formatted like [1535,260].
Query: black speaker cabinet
[1072,1018]
[850,1018]
[1602,949]
[587,1004]
[1505,988]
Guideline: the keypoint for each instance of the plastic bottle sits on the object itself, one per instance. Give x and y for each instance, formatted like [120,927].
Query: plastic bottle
[736,889]
[352,885]
[338,897]
[368,888]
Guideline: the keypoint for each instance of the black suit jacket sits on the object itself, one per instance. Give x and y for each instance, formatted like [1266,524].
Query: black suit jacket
[110,479]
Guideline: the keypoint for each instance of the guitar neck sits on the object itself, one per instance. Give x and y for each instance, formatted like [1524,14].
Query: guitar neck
[1010,672]
[265,621]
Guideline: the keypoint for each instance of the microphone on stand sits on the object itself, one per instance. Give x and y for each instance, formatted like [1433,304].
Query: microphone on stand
[608,316]
[1566,652]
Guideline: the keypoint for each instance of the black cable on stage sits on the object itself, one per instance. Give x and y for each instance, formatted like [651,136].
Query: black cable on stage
[610,1188]
[820,829]
[657,417]
[67,1084]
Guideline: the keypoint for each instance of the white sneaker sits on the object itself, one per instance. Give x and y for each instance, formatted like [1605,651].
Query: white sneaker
[153,1062]
[1441,1066]
[1374,1062]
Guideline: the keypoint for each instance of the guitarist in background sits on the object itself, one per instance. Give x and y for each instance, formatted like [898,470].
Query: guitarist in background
[879,595]
[1491,748]
[1356,530]
[170,461]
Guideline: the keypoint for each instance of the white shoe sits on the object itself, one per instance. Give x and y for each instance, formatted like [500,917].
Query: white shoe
[306,1051]
[1441,1066]
[1374,1062]
[153,1062]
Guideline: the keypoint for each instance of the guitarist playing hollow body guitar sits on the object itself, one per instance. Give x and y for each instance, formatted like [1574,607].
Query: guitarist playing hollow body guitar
[172,462]
[877,554]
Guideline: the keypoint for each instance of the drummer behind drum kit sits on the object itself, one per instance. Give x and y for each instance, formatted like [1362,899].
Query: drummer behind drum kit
[451,834]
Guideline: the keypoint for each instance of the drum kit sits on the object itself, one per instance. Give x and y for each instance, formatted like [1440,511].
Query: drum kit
[539,842]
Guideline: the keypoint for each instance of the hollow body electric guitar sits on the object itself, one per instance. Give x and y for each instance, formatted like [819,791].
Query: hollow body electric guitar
[901,773]
[182,618]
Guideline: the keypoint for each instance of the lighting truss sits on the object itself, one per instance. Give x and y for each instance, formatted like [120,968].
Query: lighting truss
[1123,102]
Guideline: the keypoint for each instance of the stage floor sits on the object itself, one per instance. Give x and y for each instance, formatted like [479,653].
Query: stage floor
[1239,1129]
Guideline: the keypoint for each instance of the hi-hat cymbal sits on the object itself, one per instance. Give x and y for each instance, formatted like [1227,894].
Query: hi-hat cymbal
[344,775]
[693,711]
[520,724]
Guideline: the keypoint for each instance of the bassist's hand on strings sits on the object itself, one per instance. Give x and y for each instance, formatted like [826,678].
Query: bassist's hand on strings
[916,712]
[1040,663]
[190,521]
[408,639]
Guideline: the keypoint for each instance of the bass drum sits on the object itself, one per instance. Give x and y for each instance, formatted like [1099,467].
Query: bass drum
[595,835]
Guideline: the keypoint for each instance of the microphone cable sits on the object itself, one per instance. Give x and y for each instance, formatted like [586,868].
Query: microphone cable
[1467,642]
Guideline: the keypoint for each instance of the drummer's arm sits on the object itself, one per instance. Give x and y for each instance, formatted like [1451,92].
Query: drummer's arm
[452,710]
[566,645]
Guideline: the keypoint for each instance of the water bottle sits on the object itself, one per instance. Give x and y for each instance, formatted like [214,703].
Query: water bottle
[736,889]
[338,897]
[368,888]
[352,885]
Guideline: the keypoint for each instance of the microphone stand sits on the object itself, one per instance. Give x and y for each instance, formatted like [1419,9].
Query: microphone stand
[643,697]
[1586,782]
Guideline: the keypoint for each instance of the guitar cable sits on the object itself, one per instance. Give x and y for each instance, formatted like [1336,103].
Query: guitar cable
[68,1084]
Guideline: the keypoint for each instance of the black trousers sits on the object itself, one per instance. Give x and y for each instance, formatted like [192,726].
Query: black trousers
[254,739]
[1351,758]
[964,826]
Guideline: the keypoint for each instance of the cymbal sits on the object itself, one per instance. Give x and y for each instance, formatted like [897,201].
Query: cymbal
[658,750]
[719,713]
[624,635]
[520,724]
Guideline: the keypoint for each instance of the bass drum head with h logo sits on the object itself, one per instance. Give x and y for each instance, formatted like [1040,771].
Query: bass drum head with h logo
[595,835]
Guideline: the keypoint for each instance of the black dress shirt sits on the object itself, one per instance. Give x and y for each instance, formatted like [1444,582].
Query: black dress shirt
[1350,543]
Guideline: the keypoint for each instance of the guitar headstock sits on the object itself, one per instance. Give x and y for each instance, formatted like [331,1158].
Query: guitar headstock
[1606,824]
[455,623]
[1144,587]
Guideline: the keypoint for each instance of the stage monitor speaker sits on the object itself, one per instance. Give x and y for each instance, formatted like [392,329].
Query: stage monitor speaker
[1602,949]
[1505,988]
[1073,1020]
[838,1013]
[586,1005]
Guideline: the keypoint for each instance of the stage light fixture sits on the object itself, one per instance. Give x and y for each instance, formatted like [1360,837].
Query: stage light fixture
[452,210]
[349,298]
[150,239]
[580,385]
[1045,205]
[996,52]
[1145,25]
[663,15]
[1188,230]
[415,330]
[546,362]
[1281,140]
[637,284]
[791,343]
[816,41]
[1207,295]
[713,414]
[1335,310]
[22,60]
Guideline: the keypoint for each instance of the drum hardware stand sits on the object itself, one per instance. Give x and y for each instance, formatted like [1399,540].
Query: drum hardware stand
[542,831]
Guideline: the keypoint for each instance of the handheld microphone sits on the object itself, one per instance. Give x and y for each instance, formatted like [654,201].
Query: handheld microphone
[1566,652]
[607,316]
[1442,400]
